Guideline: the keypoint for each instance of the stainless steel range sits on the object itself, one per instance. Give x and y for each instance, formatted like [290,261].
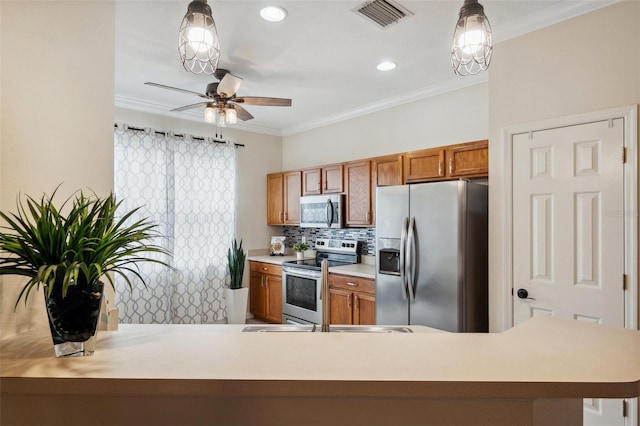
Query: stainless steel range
[302,280]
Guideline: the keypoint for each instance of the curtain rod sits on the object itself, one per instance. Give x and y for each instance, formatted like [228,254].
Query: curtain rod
[181,135]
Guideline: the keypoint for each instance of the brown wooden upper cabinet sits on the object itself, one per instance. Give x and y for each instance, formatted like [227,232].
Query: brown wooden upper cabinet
[388,170]
[322,180]
[426,164]
[468,160]
[463,160]
[283,198]
[359,200]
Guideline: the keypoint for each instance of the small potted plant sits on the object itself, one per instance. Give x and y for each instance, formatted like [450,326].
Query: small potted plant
[235,295]
[299,248]
[68,253]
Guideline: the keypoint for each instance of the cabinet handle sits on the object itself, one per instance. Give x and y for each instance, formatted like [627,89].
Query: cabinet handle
[264,268]
[326,185]
[281,217]
[349,301]
[451,166]
[356,302]
[440,167]
[349,283]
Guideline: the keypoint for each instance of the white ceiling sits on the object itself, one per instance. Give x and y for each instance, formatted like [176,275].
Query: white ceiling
[323,56]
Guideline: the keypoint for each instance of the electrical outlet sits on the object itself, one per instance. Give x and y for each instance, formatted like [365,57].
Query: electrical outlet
[304,239]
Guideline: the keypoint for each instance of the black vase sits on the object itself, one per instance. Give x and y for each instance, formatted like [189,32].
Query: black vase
[73,319]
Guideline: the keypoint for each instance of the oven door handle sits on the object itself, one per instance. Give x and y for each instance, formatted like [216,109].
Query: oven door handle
[329,212]
[300,273]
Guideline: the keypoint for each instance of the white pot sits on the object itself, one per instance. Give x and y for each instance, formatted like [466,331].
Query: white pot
[300,255]
[236,301]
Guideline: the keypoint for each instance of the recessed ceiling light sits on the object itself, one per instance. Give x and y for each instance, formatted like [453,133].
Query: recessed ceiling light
[386,66]
[273,13]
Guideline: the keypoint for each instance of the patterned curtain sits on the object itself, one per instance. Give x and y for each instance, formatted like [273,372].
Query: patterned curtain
[186,185]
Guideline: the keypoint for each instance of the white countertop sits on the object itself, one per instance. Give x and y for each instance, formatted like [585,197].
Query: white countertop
[357,270]
[543,357]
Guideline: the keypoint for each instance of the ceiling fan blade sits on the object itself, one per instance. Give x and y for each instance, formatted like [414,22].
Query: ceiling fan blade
[162,86]
[229,85]
[242,113]
[257,100]
[186,107]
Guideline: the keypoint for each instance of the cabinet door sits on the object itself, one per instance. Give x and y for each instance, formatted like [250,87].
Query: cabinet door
[332,182]
[364,309]
[388,170]
[424,165]
[275,199]
[340,311]
[469,159]
[358,200]
[292,191]
[257,295]
[273,284]
[311,182]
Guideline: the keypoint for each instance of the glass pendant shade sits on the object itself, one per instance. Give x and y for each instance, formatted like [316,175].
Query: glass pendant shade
[231,116]
[198,44]
[472,45]
[210,114]
[222,122]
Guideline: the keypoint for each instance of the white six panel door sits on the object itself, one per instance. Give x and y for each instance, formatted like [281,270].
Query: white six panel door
[568,231]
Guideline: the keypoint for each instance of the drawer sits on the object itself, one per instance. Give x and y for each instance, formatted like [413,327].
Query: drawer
[347,282]
[265,268]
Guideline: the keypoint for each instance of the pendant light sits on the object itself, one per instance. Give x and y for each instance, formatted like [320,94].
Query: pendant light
[199,46]
[472,44]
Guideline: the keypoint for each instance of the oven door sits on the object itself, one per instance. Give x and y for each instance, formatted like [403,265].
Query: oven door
[301,295]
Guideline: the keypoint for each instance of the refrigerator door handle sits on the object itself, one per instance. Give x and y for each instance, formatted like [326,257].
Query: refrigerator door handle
[403,242]
[411,267]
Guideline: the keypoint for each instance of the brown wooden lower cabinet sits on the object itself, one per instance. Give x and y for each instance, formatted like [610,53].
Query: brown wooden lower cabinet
[265,291]
[352,300]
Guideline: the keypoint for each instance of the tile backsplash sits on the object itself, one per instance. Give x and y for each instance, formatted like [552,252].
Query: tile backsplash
[366,236]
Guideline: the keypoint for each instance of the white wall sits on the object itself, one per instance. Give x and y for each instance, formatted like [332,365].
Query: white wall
[455,117]
[261,154]
[56,113]
[586,64]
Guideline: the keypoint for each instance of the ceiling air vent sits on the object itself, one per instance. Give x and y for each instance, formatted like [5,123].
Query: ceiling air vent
[383,12]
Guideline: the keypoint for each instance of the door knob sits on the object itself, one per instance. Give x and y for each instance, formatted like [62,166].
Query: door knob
[524,294]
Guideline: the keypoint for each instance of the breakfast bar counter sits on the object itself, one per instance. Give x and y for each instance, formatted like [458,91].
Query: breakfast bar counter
[533,374]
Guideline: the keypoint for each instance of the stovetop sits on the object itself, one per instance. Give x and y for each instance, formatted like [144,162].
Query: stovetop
[337,253]
[315,263]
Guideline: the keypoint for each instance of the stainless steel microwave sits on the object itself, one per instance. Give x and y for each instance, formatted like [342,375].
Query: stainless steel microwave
[322,211]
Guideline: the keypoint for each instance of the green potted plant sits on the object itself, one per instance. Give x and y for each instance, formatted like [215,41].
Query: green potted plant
[67,249]
[235,295]
[299,248]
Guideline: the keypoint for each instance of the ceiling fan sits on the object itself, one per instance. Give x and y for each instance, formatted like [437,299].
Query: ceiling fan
[221,99]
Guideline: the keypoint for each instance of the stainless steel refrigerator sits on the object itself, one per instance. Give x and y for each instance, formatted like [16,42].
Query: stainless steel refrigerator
[431,255]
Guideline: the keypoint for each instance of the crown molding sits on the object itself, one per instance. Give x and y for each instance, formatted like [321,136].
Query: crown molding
[547,18]
[427,92]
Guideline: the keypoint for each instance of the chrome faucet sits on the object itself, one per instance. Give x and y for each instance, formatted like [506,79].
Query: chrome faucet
[324,295]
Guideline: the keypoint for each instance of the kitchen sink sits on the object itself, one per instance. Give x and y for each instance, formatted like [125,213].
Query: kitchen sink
[369,329]
[332,329]
[279,329]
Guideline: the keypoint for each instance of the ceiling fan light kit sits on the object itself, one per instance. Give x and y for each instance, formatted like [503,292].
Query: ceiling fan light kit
[222,106]
[472,44]
[199,45]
